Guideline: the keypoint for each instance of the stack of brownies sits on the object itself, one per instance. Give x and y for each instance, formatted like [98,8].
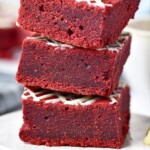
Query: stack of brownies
[71,68]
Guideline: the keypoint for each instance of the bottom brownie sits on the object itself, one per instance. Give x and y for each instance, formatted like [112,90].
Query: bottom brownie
[55,119]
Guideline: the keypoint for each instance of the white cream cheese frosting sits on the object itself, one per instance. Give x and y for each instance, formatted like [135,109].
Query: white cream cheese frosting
[98,3]
[69,99]
[113,47]
[52,42]
[55,97]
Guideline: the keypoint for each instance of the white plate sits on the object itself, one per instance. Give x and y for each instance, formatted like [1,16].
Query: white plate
[10,124]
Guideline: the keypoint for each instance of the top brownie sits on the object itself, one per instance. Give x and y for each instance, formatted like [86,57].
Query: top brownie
[83,23]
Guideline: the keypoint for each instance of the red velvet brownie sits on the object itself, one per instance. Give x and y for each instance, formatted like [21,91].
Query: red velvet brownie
[8,33]
[56,66]
[55,118]
[83,23]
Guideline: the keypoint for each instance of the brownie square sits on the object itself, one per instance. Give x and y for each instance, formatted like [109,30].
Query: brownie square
[55,119]
[56,66]
[8,34]
[83,23]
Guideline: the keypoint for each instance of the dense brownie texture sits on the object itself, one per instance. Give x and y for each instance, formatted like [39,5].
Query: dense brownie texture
[55,118]
[56,66]
[83,24]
